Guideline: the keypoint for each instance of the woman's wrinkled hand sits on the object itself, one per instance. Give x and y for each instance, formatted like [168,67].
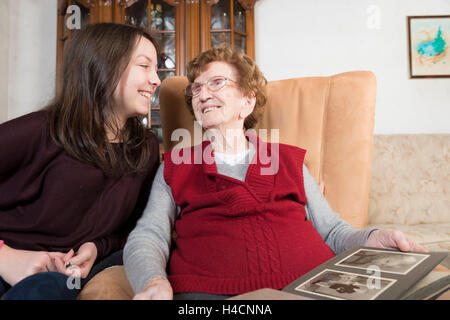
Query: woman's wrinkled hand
[393,239]
[156,289]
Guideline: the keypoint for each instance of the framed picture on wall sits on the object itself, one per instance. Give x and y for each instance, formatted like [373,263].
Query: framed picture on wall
[429,46]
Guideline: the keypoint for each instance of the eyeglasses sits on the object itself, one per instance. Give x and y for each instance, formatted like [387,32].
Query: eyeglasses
[213,84]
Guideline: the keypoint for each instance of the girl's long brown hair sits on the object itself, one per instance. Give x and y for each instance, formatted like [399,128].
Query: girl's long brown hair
[84,107]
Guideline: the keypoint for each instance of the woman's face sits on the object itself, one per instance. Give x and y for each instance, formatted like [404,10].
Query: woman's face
[226,108]
[138,82]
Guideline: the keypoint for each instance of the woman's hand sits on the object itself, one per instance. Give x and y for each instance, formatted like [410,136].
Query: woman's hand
[156,289]
[82,260]
[16,265]
[393,239]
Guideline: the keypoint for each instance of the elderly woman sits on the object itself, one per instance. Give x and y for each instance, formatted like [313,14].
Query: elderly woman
[237,229]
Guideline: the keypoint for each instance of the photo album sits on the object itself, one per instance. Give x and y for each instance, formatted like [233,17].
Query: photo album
[363,273]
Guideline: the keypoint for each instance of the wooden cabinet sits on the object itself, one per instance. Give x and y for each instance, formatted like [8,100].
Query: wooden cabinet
[183,28]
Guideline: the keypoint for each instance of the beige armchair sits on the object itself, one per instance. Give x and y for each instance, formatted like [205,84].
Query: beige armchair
[331,117]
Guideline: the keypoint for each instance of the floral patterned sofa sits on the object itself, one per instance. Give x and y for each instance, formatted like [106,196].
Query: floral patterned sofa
[410,187]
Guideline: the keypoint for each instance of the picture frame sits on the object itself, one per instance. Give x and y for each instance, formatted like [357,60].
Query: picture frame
[429,46]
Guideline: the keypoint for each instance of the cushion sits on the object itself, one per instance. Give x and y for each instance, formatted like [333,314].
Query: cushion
[109,284]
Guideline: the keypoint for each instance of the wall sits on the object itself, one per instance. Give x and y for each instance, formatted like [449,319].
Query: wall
[325,37]
[31,54]
[293,38]
[4,56]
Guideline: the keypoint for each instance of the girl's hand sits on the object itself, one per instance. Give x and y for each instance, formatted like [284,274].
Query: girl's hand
[16,265]
[83,260]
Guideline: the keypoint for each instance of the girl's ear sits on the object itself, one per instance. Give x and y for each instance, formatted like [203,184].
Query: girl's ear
[248,105]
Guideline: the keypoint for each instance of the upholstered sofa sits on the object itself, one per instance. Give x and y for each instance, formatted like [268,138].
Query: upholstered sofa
[410,187]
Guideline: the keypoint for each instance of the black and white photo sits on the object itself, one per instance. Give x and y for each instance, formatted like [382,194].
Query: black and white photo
[386,261]
[344,285]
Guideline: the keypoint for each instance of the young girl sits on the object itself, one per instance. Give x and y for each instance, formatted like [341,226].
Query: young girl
[75,176]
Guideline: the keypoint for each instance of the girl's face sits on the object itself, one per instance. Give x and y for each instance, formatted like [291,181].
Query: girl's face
[138,82]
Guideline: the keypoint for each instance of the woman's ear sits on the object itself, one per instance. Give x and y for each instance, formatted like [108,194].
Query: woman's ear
[248,106]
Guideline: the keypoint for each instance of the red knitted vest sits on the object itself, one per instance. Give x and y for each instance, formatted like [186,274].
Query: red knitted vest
[234,236]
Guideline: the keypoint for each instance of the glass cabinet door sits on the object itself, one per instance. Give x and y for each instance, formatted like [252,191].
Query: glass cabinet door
[136,13]
[239,30]
[220,23]
[162,19]
[162,27]
[231,21]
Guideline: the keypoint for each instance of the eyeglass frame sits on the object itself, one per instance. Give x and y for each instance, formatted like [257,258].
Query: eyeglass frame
[207,86]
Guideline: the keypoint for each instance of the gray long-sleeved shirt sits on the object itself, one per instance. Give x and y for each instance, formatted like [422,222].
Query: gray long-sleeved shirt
[148,246]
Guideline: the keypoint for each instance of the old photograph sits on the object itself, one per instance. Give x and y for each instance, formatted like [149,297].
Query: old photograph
[386,261]
[344,285]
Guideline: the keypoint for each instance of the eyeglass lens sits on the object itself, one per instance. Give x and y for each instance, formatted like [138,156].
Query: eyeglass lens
[212,84]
